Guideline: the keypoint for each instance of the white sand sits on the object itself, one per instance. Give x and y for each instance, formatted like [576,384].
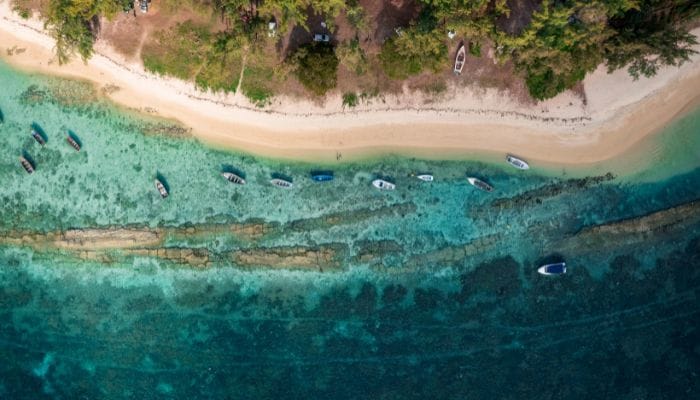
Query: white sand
[619,111]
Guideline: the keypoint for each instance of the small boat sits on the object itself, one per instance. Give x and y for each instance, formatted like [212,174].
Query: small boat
[516,162]
[479,184]
[38,137]
[381,184]
[2,117]
[233,178]
[553,269]
[26,164]
[73,143]
[459,59]
[425,177]
[282,183]
[161,188]
[322,177]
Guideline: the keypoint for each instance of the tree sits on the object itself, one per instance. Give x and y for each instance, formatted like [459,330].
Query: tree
[316,67]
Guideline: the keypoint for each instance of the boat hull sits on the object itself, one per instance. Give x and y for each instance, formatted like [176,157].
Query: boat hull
[479,184]
[233,178]
[383,185]
[161,189]
[552,269]
[517,162]
[282,183]
[425,177]
[322,178]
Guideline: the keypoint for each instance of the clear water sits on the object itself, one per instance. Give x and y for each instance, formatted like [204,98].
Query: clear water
[335,290]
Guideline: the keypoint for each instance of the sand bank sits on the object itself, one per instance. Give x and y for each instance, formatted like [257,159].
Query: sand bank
[616,114]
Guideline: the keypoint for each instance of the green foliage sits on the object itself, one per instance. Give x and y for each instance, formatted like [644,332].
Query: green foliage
[222,65]
[652,35]
[412,52]
[475,49]
[74,24]
[353,57]
[316,67]
[350,99]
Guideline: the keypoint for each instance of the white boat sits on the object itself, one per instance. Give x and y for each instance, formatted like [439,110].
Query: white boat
[381,184]
[425,177]
[161,188]
[553,269]
[479,184]
[233,178]
[282,183]
[459,59]
[516,162]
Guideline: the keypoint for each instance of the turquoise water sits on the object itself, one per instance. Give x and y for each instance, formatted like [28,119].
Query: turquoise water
[333,290]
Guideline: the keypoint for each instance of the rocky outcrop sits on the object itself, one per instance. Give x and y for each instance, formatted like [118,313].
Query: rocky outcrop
[322,258]
[355,216]
[537,195]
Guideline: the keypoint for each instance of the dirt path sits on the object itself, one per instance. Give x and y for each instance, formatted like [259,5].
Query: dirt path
[142,41]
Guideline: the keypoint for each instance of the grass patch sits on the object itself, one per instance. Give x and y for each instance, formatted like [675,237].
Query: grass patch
[350,99]
[179,51]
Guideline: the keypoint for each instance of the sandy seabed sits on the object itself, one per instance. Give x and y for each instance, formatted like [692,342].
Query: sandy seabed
[617,113]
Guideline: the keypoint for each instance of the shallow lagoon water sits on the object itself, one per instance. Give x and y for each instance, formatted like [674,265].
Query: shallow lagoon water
[333,290]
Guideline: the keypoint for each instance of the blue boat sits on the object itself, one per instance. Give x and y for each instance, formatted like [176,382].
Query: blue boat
[553,269]
[324,177]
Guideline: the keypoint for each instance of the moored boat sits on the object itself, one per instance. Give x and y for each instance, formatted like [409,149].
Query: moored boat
[73,143]
[233,178]
[322,177]
[479,184]
[283,183]
[517,162]
[381,184]
[161,188]
[28,166]
[37,136]
[2,117]
[459,59]
[553,269]
[425,177]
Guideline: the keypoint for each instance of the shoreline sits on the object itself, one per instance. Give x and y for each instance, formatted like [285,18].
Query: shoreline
[617,115]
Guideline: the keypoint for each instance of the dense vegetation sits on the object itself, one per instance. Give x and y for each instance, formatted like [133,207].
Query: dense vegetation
[553,44]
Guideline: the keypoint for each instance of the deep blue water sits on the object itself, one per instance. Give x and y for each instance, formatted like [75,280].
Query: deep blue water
[332,290]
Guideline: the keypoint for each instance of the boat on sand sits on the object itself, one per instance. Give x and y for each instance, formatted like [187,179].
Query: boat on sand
[517,162]
[381,184]
[459,59]
[479,184]
[233,178]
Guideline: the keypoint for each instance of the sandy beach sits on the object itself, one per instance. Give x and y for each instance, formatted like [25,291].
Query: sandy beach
[616,114]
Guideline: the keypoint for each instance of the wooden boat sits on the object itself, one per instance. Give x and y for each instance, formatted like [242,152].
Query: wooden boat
[553,269]
[26,164]
[425,177]
[381,184]
[459,59]
[38,137]
[233,178]
[73,143]
[517,162]
[479,184]
[282,183]
[161,188]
